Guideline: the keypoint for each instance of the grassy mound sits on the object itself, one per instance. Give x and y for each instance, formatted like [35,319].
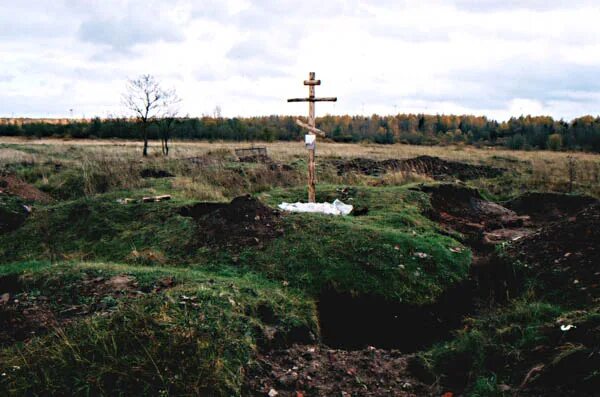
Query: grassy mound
[393,251]
[192,338]
[101,228]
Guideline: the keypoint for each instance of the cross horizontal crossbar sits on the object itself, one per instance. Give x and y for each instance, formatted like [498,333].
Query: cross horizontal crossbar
[312,82]
[328,99]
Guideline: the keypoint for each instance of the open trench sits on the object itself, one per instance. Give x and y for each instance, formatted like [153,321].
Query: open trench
[354,322]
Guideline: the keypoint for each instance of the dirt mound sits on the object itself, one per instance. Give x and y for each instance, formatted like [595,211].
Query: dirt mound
[311,370]
[564,256]
[433,167]
[483,223]
[442,169]
[243,222]
[154,173]
[10,184]
[548,207]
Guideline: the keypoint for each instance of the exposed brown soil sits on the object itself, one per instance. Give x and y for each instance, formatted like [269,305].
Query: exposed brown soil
[314,370]
[433,167]
[10,184]
[482,223]
[549,207]
[557,239]
[565,256]
[243,222]
[24,315]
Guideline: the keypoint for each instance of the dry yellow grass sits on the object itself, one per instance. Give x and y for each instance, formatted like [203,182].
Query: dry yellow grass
[533,170]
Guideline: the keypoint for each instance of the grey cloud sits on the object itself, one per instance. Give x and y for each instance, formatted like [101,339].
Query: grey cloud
[255,71]
[415,34]
[536,80]
[208,74]
[125,32]
[210,9]
[537,5]
[18,21]
[257,49]
[288,15]
[494,87]
[52,105]
[6,78]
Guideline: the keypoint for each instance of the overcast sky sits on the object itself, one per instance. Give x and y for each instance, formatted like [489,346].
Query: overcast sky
[498,58]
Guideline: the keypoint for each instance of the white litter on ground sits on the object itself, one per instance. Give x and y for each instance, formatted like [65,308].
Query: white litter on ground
[335,208]
[565,328]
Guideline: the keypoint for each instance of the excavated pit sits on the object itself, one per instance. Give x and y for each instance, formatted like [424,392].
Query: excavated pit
[355,322]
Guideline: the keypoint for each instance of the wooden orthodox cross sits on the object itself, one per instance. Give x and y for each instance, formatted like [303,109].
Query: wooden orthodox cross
[312,130]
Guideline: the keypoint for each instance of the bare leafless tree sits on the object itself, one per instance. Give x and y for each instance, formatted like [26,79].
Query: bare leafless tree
[148,101]
[168,117]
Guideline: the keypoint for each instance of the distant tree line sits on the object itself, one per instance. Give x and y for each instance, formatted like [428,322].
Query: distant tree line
[525,132]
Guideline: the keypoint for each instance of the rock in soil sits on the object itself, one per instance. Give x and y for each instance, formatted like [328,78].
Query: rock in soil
[314,370]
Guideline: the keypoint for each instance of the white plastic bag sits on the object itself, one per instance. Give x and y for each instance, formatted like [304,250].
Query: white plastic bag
[335,208]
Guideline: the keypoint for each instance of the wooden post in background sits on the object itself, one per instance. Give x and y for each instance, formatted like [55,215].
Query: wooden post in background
[311,127]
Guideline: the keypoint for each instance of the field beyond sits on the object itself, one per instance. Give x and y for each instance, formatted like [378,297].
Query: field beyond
[461,270]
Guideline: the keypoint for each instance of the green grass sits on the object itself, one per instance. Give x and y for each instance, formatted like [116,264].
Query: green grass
[152,344]
[377,254]
[501,346]
[156,344]
[99,228]
[373,254]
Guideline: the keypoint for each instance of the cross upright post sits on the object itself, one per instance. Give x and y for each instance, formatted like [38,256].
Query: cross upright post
[312,130]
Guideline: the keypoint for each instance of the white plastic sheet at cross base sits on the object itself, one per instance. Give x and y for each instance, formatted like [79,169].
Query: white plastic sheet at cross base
[335,208]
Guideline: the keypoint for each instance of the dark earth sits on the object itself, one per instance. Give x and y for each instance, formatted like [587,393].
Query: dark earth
[564,256]
[155,173]
[243,222]
[316,370]
[432,167]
